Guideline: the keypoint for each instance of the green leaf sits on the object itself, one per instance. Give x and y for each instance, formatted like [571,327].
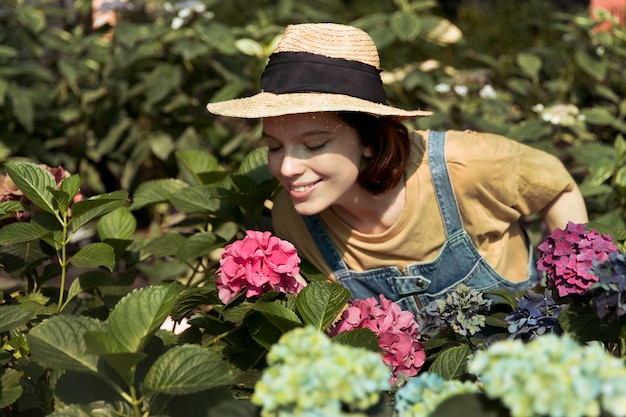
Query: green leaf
[280,316]
[593,65]
[12,206]
[452,362]
[186,369]
[21,232]
[10,387]
[529,63]
[197,245]
[192,162]
[405,25]
[156,191]
[58,343]
[165,245]
[103,344]
[23,106]
[620,147]
[119,224]
[34,182]
[196,199]
[71,185]
[139,315]
[89,280]
[474,404]
[582,323]
[262,330]
[620,177]
[599,172]
[254,165]
[191,298]
[161,145]
[94,255]
[33,19]
[319,303]
[13,316]
[598,116]
[361,338]
[85,211]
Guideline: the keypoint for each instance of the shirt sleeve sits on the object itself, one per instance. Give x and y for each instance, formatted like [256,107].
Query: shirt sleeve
[504,176]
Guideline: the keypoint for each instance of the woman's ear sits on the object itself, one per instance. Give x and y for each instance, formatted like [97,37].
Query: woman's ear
[367,152]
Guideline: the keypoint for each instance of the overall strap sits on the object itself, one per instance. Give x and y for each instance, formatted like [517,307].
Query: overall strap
[441,182]
[325,245]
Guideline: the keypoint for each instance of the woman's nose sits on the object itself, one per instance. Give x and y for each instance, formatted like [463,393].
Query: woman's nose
[291,165]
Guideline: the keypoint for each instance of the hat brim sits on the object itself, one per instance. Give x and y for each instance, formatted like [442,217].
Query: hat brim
[270,105]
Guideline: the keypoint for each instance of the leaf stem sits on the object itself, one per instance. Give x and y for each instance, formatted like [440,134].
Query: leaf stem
[63,262]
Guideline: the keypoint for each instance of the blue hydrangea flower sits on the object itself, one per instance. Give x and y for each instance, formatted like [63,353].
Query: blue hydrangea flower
[422,394]
[536,314]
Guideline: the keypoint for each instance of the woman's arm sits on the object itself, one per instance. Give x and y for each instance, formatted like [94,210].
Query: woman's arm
[567,206]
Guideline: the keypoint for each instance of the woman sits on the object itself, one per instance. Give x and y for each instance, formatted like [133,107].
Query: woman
[383,210]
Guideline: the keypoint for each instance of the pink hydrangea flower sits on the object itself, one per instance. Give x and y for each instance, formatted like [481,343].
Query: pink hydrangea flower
[396,330]
[258,263]
[568,256]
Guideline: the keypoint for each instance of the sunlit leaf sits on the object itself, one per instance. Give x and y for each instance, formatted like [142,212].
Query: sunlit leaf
[196,199]
[58,343]
[282,317]
[34,181]
[118,224]
[319,303]
[155,191]
[139,314]
[87,210]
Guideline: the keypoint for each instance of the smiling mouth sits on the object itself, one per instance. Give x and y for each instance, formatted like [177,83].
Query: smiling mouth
[302,188]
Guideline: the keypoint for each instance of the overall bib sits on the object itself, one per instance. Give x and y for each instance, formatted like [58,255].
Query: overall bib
[458,261]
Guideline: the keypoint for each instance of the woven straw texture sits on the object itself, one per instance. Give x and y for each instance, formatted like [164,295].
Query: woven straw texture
[327,39]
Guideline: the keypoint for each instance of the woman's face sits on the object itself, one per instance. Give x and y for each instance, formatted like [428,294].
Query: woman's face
[316,157]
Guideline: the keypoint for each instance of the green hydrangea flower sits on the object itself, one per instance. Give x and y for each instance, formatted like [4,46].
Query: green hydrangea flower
[309,375]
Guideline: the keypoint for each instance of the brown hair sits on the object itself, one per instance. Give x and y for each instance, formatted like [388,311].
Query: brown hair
[389,142]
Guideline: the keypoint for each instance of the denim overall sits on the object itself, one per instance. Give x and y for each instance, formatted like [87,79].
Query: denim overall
[414,287]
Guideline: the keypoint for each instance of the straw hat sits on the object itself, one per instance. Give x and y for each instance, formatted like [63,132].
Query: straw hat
[318,67]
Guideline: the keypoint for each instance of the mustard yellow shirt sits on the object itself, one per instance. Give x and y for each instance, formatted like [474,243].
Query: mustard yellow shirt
[496,181]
